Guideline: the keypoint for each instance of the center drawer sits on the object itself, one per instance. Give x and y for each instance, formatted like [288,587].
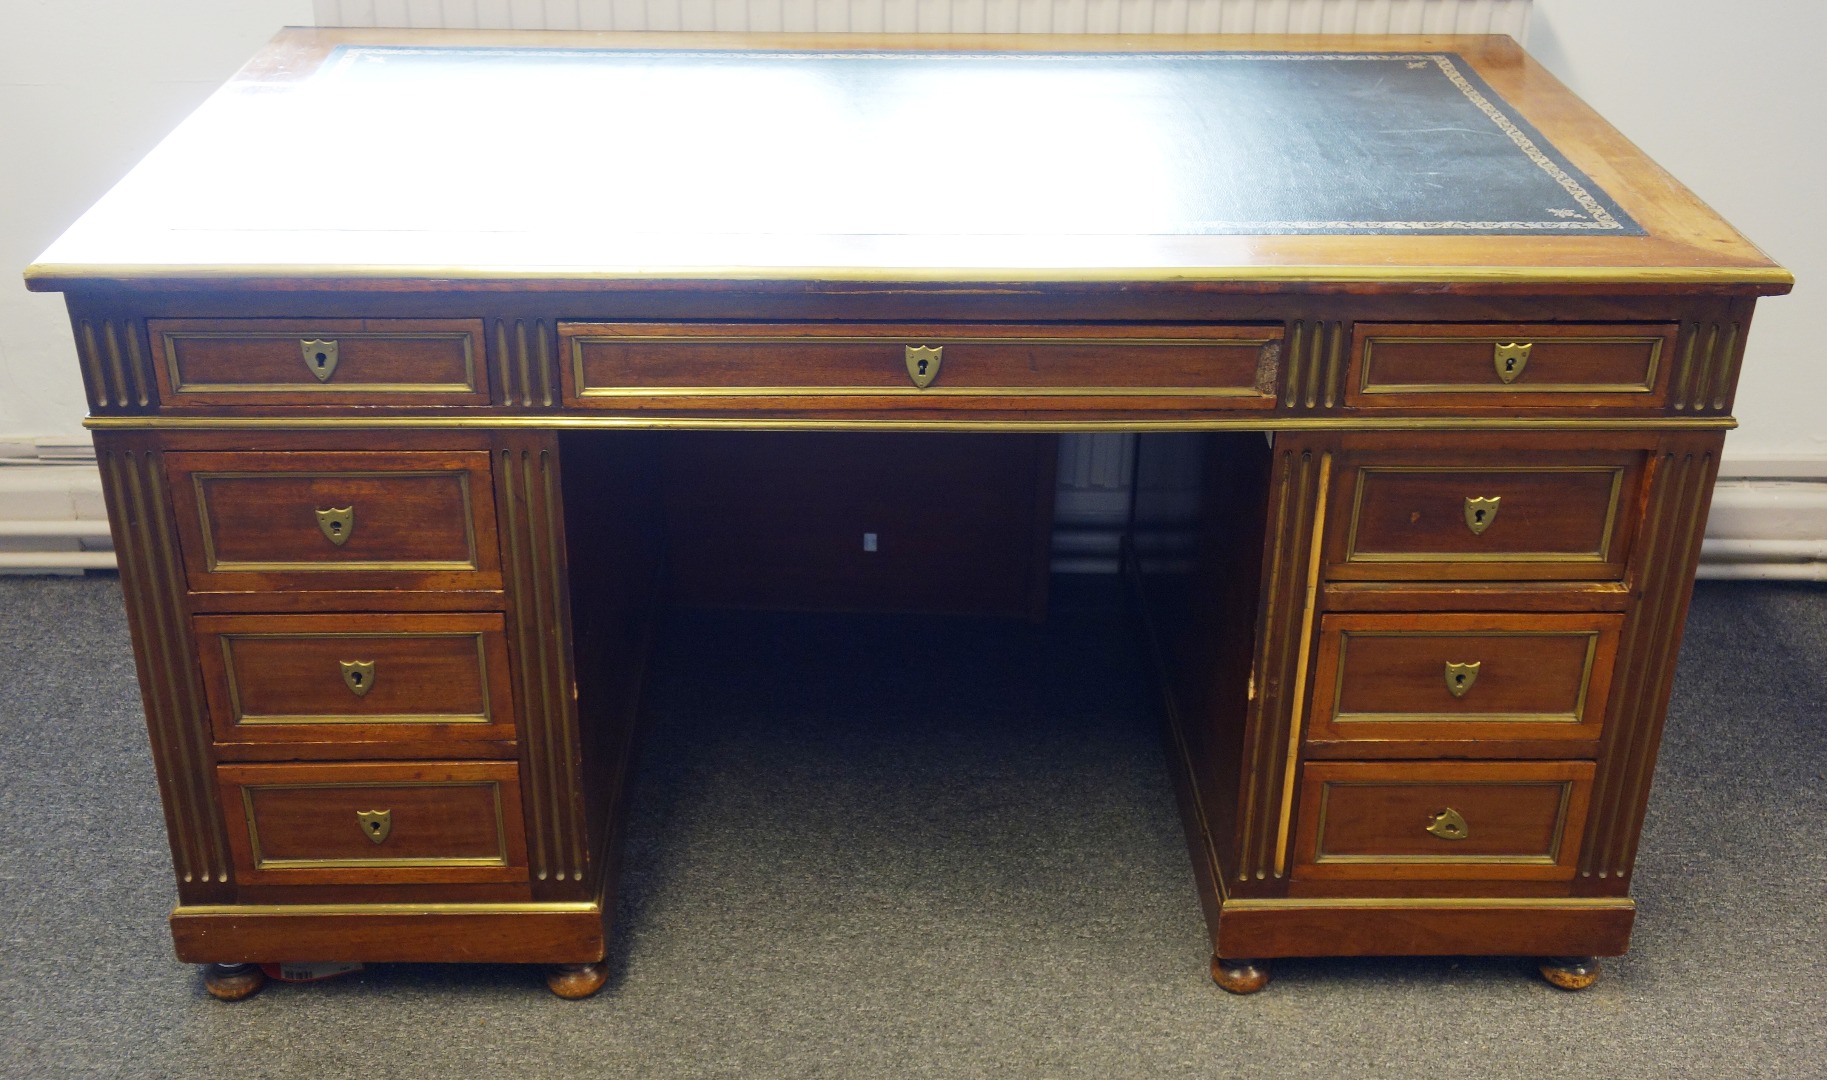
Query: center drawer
[344,520]
[616,365]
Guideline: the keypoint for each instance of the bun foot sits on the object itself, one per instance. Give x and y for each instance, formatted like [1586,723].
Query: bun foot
[232,982]
[575,981]
[1571,972]
[1240,976]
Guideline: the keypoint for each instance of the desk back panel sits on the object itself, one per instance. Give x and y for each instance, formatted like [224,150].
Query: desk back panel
[961,522]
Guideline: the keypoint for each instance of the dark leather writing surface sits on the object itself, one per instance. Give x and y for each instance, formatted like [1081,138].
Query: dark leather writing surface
[860,143]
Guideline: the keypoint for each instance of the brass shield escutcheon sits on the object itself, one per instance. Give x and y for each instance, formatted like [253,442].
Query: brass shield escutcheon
[1460,677]
[319,357]
[337,524]
[923,364]
[1479,513]
[1449,824]
[1511,359]
[375,824]
[358,676]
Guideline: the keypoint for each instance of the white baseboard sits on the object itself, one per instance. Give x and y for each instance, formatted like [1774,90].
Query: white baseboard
[52,520]
[1769,521]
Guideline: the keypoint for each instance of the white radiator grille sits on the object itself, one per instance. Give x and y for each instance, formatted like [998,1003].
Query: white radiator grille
[949,16]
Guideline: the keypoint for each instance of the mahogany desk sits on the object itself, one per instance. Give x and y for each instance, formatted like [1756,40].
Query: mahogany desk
[377,342]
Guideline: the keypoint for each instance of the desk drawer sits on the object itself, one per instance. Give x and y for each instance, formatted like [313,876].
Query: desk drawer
[371,824]
[1495,820]
[1510,365]
[357,685]
[1470,685]
[1470,515]
[258,522]
[319,362]
[613,365]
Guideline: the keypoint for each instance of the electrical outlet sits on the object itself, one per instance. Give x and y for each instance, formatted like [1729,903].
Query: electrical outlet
[868,541]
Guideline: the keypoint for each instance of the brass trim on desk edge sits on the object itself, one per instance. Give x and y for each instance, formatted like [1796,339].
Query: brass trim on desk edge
[1321,903]
[45,277]
[511,907]
[636,423]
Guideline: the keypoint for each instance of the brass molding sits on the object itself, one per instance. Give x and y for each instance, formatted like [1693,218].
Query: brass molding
[1319,857]
[323,371]
[263,864]
[912,355]
[240,718]
[555,907]
[1494,903]
[1473,506]
[48,277]
[573,422]
[1303,660]
[1340,716]
[1519,351]
[215,565]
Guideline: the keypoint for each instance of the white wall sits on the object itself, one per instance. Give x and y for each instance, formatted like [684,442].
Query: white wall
[1732,99]
[86,88]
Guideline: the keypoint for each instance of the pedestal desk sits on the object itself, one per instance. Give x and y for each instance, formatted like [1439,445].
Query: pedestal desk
[379,343]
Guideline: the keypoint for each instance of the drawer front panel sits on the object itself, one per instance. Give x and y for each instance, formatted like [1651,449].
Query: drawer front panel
[317,362]
[1510,365]
[355,685]
[609,365]
[366,823]
[1563,516]
[1485,681]
[1504,820]
[320,521]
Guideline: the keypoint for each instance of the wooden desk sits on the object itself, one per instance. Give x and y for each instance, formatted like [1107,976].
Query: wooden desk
[377,345]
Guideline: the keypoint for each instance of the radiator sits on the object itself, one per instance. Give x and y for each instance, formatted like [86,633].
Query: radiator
[949,16]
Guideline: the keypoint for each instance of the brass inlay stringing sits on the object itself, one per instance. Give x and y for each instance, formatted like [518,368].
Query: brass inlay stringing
[1599,552]
[1574,716]
[376,824]
[174,371]
[358,676]
[200,484]
[1550,858]
[231,668]
[1511,359]
[1449,824]
[923,364]
[586,389]
[1368,384]
[337,524]
[262,862]
[319,357]
[1479,513]
[1460,677]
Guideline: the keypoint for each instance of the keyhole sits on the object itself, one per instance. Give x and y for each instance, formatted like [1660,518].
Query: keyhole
[321,357]
[374,826]
[1509,363]
[922,367]
[336,526]
[355,677]
[1478,516]
[1459,680]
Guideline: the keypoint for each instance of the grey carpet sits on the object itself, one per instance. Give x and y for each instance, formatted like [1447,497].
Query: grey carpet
[915,847]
